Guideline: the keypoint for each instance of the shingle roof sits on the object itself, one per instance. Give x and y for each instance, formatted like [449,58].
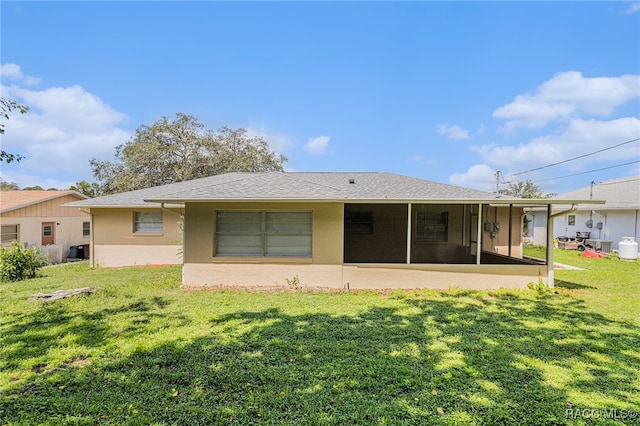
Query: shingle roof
[13,200]
[291,186]
[300,186]
[619,194]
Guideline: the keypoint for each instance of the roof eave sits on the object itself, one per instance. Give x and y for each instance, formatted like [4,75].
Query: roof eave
[499,201]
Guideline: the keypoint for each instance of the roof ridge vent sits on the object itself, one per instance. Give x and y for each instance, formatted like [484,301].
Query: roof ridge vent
[352,181]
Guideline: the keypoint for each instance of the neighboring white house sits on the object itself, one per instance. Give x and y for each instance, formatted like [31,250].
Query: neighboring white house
[37,218]
[619,217]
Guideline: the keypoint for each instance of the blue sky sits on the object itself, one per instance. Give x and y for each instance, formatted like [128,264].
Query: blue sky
[446,91]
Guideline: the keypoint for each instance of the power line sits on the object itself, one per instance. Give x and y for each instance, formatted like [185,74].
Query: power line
[576,158]
[589,171]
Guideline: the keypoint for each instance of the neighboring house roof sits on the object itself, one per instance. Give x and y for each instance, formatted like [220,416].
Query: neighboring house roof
[13,200]
[301,186]
[619,194]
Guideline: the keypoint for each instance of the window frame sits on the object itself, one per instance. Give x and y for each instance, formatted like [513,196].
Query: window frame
[86,228]
[264,234]
[152,230]
[3,234]
[434,227]
[358,222]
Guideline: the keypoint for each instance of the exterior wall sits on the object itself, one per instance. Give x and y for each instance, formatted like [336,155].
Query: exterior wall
[68,230]
[115,255]
[68,224]
[327,232]
[615,225]
[116,244]
[50,208]
[363,276]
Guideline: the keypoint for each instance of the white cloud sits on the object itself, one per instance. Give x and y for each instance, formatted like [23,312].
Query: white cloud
[580,137]
[568,95]
[453,132]
[63,129]
[13,72]
[277,141]
[480,176]
[317,145]
[633,8]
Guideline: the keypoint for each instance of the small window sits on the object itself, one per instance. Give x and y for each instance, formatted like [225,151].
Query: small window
[86,229]
[572,220]
[358,222]
[263,233]
[47,230]
[147,222]
[432,227]
[9,234]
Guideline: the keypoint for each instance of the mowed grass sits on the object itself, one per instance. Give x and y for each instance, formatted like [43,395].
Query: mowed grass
[143,351]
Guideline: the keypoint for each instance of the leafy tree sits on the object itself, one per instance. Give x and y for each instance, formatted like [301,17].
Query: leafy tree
[8,186]
[91,190]
[526,189]
[7,106]
[179,150]
[33,188]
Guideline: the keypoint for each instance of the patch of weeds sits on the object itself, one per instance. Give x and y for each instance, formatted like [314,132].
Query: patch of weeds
[540,287]
[293,282]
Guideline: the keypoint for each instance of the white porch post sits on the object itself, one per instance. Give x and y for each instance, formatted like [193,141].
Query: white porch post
[550,277]
[479,236]
[408,233]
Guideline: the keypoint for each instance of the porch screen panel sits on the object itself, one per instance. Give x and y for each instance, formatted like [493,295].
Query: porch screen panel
[239,233]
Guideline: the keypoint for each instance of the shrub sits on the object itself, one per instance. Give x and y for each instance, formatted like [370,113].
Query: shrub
[18,262]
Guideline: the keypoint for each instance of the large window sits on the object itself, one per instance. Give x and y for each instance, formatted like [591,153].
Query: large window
[263,233]
[432,227]
[9,234]
[147,222]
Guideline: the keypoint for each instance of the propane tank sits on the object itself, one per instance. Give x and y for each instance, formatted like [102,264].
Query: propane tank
[628,249]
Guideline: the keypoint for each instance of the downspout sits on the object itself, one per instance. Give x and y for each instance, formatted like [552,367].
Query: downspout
[550,277]
[162,207]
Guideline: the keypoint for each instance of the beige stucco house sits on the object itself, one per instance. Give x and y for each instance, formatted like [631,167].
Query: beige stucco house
[338,230]
[37,218]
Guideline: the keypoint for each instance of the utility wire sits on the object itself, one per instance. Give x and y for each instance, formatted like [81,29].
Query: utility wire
[576,158]
[589,171]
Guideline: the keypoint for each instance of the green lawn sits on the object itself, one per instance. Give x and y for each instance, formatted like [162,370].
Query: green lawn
[142,351]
